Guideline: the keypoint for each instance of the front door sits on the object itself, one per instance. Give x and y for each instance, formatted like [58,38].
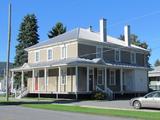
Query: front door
[91,77]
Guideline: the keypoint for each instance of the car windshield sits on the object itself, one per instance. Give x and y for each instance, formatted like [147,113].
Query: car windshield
[153,94]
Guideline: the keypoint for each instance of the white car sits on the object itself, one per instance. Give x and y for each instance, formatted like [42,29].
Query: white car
[151,100]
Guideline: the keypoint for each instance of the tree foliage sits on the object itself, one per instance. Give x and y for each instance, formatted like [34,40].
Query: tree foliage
[57,30]
[28,36]
[134,40]
[157,63]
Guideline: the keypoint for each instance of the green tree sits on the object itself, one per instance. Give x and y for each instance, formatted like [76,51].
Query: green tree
[57,30]
[157,63]
[28,36]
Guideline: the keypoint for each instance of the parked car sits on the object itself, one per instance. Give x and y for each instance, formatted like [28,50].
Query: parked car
[150,100]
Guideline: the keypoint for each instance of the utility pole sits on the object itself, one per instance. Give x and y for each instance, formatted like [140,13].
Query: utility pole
[8,53]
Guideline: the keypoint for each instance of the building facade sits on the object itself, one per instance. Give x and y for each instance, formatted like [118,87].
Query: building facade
[154,78]
[81,61]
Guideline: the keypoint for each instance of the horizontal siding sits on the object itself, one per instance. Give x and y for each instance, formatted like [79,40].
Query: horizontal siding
[86,51]
[125,57]
[108,55]
[140,59]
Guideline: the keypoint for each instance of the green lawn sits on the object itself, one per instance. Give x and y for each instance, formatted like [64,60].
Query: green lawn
[97,111]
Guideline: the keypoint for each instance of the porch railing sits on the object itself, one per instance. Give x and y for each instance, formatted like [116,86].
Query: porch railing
[107,91]
[21,93]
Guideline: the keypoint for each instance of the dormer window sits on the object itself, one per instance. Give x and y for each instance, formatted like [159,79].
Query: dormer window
[117,56]
[99,52]
[50,54]
[133,57]
[37,56]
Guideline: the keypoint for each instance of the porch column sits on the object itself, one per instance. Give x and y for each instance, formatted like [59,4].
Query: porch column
[45,78]
[87,79]
[59,79]
[33,78]
[22,80]
[105,78]
[76,70]
[121,79]
[12,81]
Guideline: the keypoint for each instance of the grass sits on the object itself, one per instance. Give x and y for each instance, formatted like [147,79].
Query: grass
[98,111]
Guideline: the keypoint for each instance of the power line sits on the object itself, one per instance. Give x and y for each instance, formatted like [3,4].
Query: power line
[136,18]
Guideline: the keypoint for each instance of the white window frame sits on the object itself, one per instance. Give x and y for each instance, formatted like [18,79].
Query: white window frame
[102,76]
[36,56]
[64,53]
[64,74]
[48,54]
[99,55]
[114,80]
[134,54]
[119,55]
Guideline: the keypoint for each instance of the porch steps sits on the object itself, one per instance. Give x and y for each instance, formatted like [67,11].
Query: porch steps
[21,93]
[110,94]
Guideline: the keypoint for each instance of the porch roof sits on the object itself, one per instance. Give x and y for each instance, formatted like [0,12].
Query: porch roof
[63,62]
[74,62]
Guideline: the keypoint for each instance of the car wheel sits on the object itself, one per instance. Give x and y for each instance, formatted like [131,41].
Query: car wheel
[136,104]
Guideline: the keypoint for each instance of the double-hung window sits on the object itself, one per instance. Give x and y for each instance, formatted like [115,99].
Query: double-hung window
[99,52]
[63,78]
[117,56]
[64,52]
[133,57]
[100,76]
[37,56]
[50,54]
[112,80]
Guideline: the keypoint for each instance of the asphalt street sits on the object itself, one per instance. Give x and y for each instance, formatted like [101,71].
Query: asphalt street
[21,113]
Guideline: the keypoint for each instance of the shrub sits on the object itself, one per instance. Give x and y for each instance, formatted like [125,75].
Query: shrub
[98,95]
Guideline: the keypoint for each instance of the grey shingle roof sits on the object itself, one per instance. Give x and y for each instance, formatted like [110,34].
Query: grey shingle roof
[80,33]
[73,34]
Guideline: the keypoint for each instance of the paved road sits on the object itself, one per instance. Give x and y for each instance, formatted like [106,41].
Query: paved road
[20,113]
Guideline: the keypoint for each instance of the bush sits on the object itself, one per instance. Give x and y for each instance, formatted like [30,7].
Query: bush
[98,95]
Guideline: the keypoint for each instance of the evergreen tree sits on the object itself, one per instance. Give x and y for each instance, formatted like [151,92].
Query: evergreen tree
[157,63]
[28,36]
[57,30]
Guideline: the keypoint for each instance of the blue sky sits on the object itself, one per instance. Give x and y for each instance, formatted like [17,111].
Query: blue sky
[142,15]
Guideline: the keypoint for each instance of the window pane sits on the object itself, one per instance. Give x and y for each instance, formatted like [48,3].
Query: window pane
[112,78]
[117,55]
[64,52]
[99,52]
[37,56]
[49,54]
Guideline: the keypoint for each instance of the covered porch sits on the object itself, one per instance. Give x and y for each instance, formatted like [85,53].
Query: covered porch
[77,77]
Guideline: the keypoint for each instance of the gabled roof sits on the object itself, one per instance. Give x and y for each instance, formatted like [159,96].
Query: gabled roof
[81,33]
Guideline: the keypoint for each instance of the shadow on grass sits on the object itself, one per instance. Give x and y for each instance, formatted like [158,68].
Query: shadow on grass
[38,102]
